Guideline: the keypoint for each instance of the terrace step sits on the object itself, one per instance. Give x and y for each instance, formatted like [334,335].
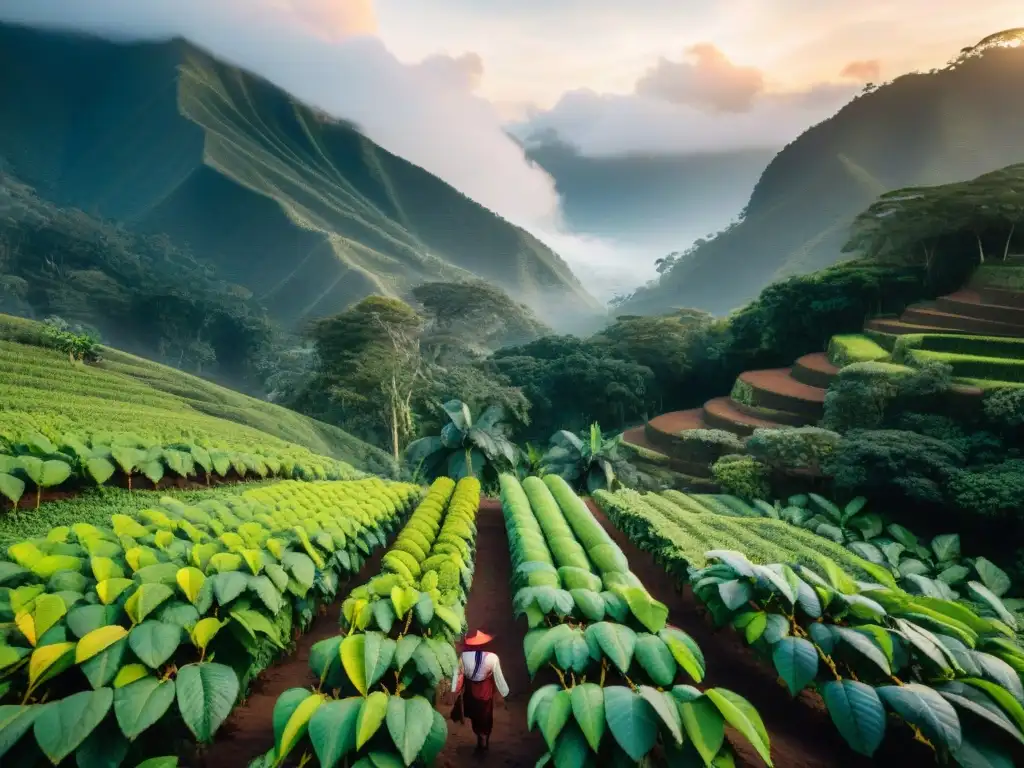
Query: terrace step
[781,418]
[1000,297]
[900,328]
[637,437]
[968,303]
[925,315]
[776,389]
[814,370]
[662,430]
[722,413]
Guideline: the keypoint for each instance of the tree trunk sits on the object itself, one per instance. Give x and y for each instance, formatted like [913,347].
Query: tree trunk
[394,426]
[981,251]
[1006,249]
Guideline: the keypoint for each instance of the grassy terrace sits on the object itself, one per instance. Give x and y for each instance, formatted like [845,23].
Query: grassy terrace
[41,391]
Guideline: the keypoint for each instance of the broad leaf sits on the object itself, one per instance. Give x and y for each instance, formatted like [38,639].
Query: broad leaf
[332,730]
[925,708]
[141,705]
[154,642]
[654,656]
[704,726]
[632,721]
[409,722]
[371,716]
[15,721]
[685,651]
[946,547]
[616,641]
[739,713]
[353,659]
[63,725]
[796,660]
[857,713]
[291,723]
[588,708]
[992,576]
[206,693]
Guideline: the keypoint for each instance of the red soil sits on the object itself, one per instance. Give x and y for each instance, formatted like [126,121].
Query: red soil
[802,734]
[638,437]
[490,609]
[778,381]
[679,421]
[726,416]
[818,362]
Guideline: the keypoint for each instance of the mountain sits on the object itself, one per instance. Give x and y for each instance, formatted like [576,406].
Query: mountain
[928,128]
[298,207]
[653,201]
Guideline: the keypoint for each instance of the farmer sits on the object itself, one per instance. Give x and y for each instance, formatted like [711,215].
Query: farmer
[480,670]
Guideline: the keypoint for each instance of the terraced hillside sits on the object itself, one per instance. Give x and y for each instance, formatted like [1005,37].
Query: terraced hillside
[42,392]
[978,330]
[299,208]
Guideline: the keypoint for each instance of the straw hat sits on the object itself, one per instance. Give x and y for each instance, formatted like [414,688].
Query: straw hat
[477,639]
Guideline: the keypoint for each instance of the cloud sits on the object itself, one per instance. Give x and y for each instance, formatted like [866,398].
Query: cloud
[706,80]
[463,72]
[603,124]
[336,19]
[866,71]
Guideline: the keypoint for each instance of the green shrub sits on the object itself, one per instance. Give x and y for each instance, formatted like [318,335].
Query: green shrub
[972,366]
[854,348]
[793,448]
[865,394]
[1005,407]
[985,346]
[742,476]
[993,491]
[742,392]
[711,443]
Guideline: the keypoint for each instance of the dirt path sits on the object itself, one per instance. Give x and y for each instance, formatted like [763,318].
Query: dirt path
[490,609]
[249,730]
[802,734]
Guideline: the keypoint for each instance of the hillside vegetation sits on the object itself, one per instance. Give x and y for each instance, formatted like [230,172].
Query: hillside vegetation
[300,209]
[921,129]
[42,392]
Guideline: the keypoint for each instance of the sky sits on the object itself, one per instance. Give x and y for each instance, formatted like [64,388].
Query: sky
[443,82]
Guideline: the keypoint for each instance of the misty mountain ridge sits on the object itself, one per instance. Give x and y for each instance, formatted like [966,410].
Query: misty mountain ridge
[301,209]
[929,128]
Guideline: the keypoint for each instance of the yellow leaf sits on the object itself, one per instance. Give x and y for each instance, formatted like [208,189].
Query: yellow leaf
[59,534]
[25,553]
[224,561]
[140,557]
[353,652]
[275,547]
[104,568]
[84,531]
[47,611]
[50,564]
[254,559]
[24,597]
[298,723]
[98,641]
[129,673]
[204,631]
[110,589]
[191,582]
[124,525]
[163,539]
[370,717]
[43,659]
[232,541]
[27,626]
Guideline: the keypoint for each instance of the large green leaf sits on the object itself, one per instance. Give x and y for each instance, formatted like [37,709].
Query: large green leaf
[11,487]
[946,547]
[925,708]
[587,701]
[63,725]
[141,705]
[616,641]
[686,652]
[981,706]
[632,721]
[704,726]
[371,716]
[667,710]
[857,713]
[379,652]
[145,600]
[228,585]
[984,595]
[1003,698]
[409,722]
[436,739]
[539,647]
[656,659]
[102,668]
[572,751]
[796,661]
[552,714]
[15,720]
[154,642]
[206,693]
[332,730]
[742,716]
[992,576]
[865,646]
[572,652]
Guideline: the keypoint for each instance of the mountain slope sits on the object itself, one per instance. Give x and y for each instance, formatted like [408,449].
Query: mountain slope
[930,128]
[300,208]
[654,201]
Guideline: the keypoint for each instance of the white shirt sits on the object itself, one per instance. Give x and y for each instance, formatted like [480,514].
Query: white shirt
[489,667]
